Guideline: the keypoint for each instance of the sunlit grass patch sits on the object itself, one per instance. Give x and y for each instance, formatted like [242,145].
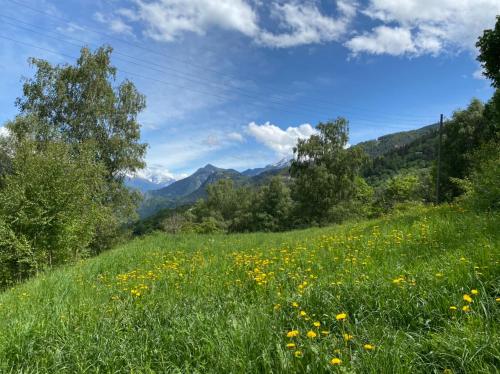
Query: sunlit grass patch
[411,293]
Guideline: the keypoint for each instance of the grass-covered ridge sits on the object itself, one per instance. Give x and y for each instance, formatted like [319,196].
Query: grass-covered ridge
[233,303]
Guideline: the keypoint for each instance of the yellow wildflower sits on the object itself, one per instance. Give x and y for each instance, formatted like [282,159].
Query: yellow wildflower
[467,298]
[466,308]
[302,313]
[317,324]
[297,354]
[295,304]
[497,299]
[341,316]
[325,332]
[474,292]
[335,361]
[347,337]
[453,307]
[292,334]
[291,345]
[369,347]
[311,334]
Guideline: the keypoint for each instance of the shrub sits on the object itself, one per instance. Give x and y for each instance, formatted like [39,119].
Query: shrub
[482,186]
[50,209]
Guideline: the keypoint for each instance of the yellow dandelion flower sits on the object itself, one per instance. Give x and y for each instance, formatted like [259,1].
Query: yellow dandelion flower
[335,361]
[317,324]
[292,334]
[291,345]
[474,292]
[497,299]
[466,308]
[298,354]
[347,337]
[369,347]
[311,334]
[453,308]
[302,313]
[325,332]
[467,298]
[295,304]
[341,316]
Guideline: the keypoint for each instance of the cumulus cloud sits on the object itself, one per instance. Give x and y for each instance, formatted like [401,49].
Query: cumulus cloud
[394,41]
[280,141]
[167,20]
[425,26]
[402,27]
[298,22]
[305,24]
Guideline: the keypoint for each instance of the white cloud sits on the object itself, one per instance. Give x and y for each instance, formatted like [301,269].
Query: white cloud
[222,139]
[425,26]
[235,136]
[298,22]
[479,74]
[166,20]
[280,141]
[117,25]
[305,24]
[393,41]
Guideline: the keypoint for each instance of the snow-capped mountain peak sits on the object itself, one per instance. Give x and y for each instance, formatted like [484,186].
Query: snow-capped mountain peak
[150,178]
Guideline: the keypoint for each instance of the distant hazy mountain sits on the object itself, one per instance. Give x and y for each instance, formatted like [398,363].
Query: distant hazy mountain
[283,163]
[187,186]
[187,190]
[149,179]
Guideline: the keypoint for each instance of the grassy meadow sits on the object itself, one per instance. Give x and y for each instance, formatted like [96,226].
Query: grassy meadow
[415,292]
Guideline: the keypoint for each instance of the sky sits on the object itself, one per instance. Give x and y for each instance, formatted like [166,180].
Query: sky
[235,83]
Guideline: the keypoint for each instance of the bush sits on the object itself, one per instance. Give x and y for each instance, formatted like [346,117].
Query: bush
[50,209]
[482,186]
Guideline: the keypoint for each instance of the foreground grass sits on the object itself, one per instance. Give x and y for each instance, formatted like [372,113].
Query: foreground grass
[271,302]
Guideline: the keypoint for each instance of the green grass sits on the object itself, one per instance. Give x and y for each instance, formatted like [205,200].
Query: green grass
[224,304]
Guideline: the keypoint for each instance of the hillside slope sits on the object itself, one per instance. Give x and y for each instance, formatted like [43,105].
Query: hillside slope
[380,296]
[390,142]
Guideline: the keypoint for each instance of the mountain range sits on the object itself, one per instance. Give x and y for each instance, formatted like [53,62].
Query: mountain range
[389,153]
[190,189]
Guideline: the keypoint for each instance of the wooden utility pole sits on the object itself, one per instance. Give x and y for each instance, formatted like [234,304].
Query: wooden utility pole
[438,173]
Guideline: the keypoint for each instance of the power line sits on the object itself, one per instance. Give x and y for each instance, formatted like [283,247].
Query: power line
[225,97]
[204,68]
[201,81]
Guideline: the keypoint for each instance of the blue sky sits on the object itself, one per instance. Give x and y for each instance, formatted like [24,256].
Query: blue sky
[236,82]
